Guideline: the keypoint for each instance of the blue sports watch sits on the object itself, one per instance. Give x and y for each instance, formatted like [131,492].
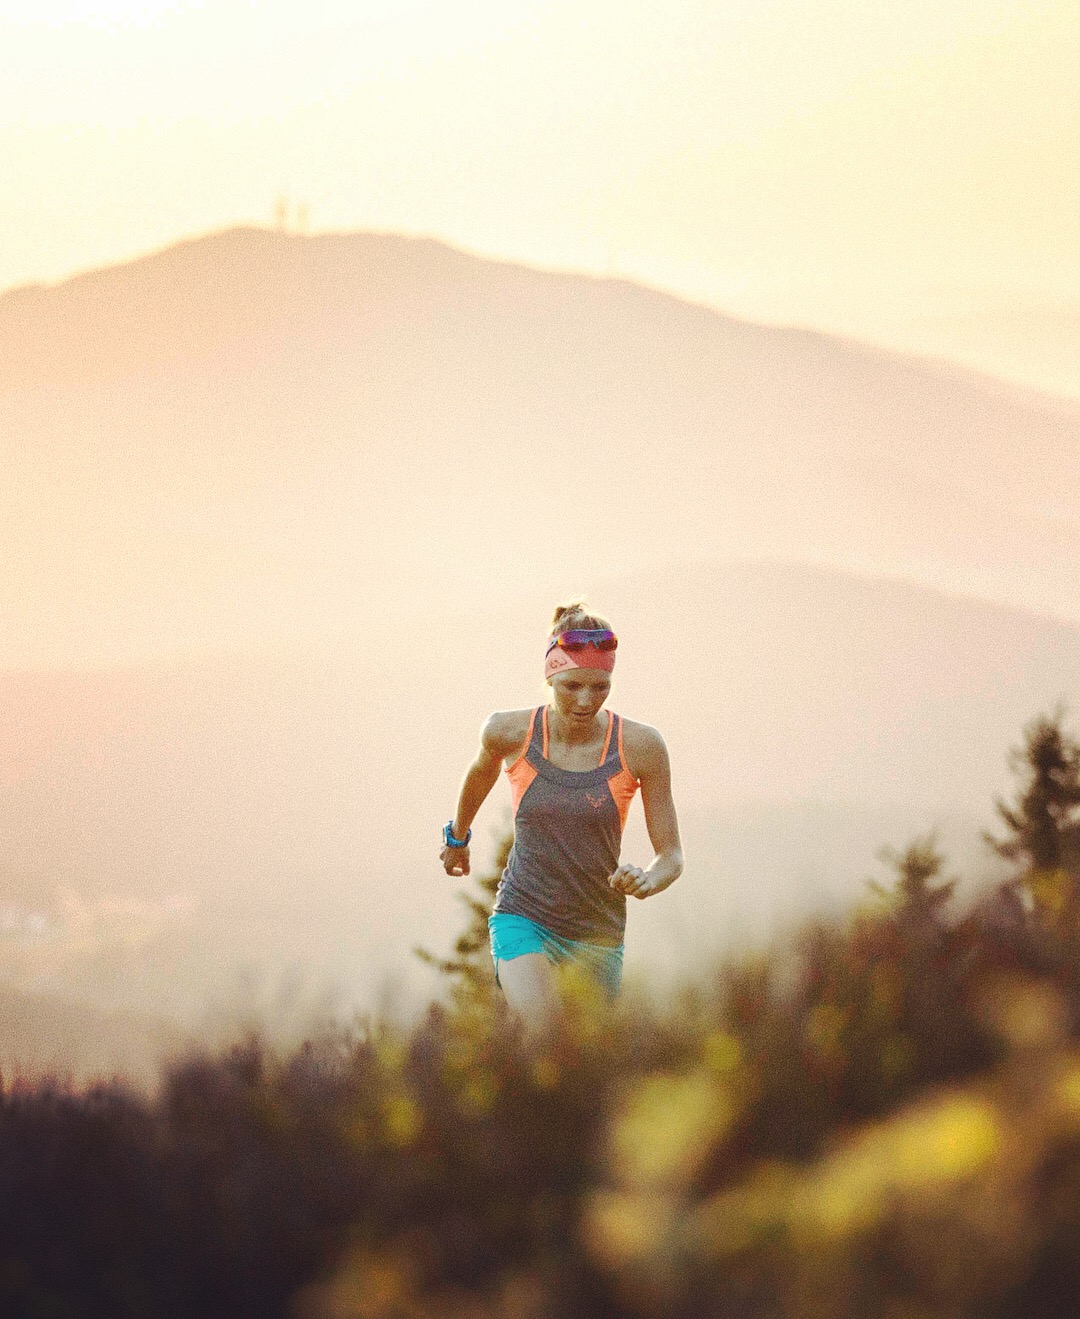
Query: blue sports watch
[450,840]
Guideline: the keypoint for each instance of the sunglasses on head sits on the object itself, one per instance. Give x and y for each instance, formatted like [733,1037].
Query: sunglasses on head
[579,638]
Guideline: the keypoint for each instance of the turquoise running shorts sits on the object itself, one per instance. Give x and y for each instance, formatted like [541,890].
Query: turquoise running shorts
[511,936]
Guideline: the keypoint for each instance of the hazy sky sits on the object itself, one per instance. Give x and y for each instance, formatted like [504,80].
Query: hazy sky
[891,169]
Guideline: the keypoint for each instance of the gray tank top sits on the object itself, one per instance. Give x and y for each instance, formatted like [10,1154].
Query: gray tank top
[568,827]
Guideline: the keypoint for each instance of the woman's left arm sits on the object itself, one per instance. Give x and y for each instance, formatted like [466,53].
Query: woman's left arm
[653,769]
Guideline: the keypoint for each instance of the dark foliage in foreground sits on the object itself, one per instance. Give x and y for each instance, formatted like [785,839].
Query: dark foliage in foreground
[881,1120]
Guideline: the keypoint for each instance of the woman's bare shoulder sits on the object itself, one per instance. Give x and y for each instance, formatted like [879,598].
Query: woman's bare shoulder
[641,735]
[644,746]
[505,730]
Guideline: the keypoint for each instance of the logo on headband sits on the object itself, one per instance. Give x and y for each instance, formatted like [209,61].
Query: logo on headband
[559,660]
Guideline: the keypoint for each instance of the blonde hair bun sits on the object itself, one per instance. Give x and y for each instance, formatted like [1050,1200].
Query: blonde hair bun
[575,615]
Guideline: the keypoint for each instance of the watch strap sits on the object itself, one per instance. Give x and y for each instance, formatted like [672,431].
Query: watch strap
[450,840]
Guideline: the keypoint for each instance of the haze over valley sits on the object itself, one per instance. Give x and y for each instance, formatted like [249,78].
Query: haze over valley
[285,517]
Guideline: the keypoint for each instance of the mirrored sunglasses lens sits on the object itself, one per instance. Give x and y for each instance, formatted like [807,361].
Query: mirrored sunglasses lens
[579,638]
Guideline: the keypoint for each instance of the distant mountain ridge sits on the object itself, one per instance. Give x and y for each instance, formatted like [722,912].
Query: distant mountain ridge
[248,435]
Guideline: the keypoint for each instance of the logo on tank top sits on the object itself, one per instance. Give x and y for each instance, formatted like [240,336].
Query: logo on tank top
[595,802]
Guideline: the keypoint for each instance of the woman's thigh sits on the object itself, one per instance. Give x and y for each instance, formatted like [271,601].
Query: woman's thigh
[529,984]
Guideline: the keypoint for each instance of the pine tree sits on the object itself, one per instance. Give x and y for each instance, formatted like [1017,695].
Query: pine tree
[916,900]
[1043,822]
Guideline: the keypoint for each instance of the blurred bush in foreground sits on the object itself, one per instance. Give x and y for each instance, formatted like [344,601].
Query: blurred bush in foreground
[882,1119]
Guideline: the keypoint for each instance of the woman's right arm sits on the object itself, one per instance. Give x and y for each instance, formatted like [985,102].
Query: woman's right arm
[496,741]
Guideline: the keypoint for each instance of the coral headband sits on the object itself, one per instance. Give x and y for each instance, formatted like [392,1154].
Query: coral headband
[581,657]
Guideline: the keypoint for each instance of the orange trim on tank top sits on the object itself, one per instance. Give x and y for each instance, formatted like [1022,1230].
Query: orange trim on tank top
[622,757]
[622,786]
[607,740]
[521,776]
[525,748]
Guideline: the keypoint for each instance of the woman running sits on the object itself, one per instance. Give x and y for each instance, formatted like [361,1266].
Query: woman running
[573,772]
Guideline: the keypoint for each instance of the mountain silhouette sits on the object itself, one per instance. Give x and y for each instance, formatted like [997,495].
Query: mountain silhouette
[250,436]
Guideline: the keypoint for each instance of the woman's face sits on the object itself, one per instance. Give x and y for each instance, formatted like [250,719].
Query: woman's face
[579,693]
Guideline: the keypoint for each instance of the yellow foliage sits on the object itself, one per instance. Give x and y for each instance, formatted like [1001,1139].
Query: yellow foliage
[390,1051]
[948,1140]
[721,1052]
[620,1229]
[402,1120]
[666,1127]
[1050,888]
[1033,1016]
[545,1072]
[737,1219]
[849,1191]
[840,1199]
[1067,1089]
[585,1006]
[1026,1013]
[932,1146]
